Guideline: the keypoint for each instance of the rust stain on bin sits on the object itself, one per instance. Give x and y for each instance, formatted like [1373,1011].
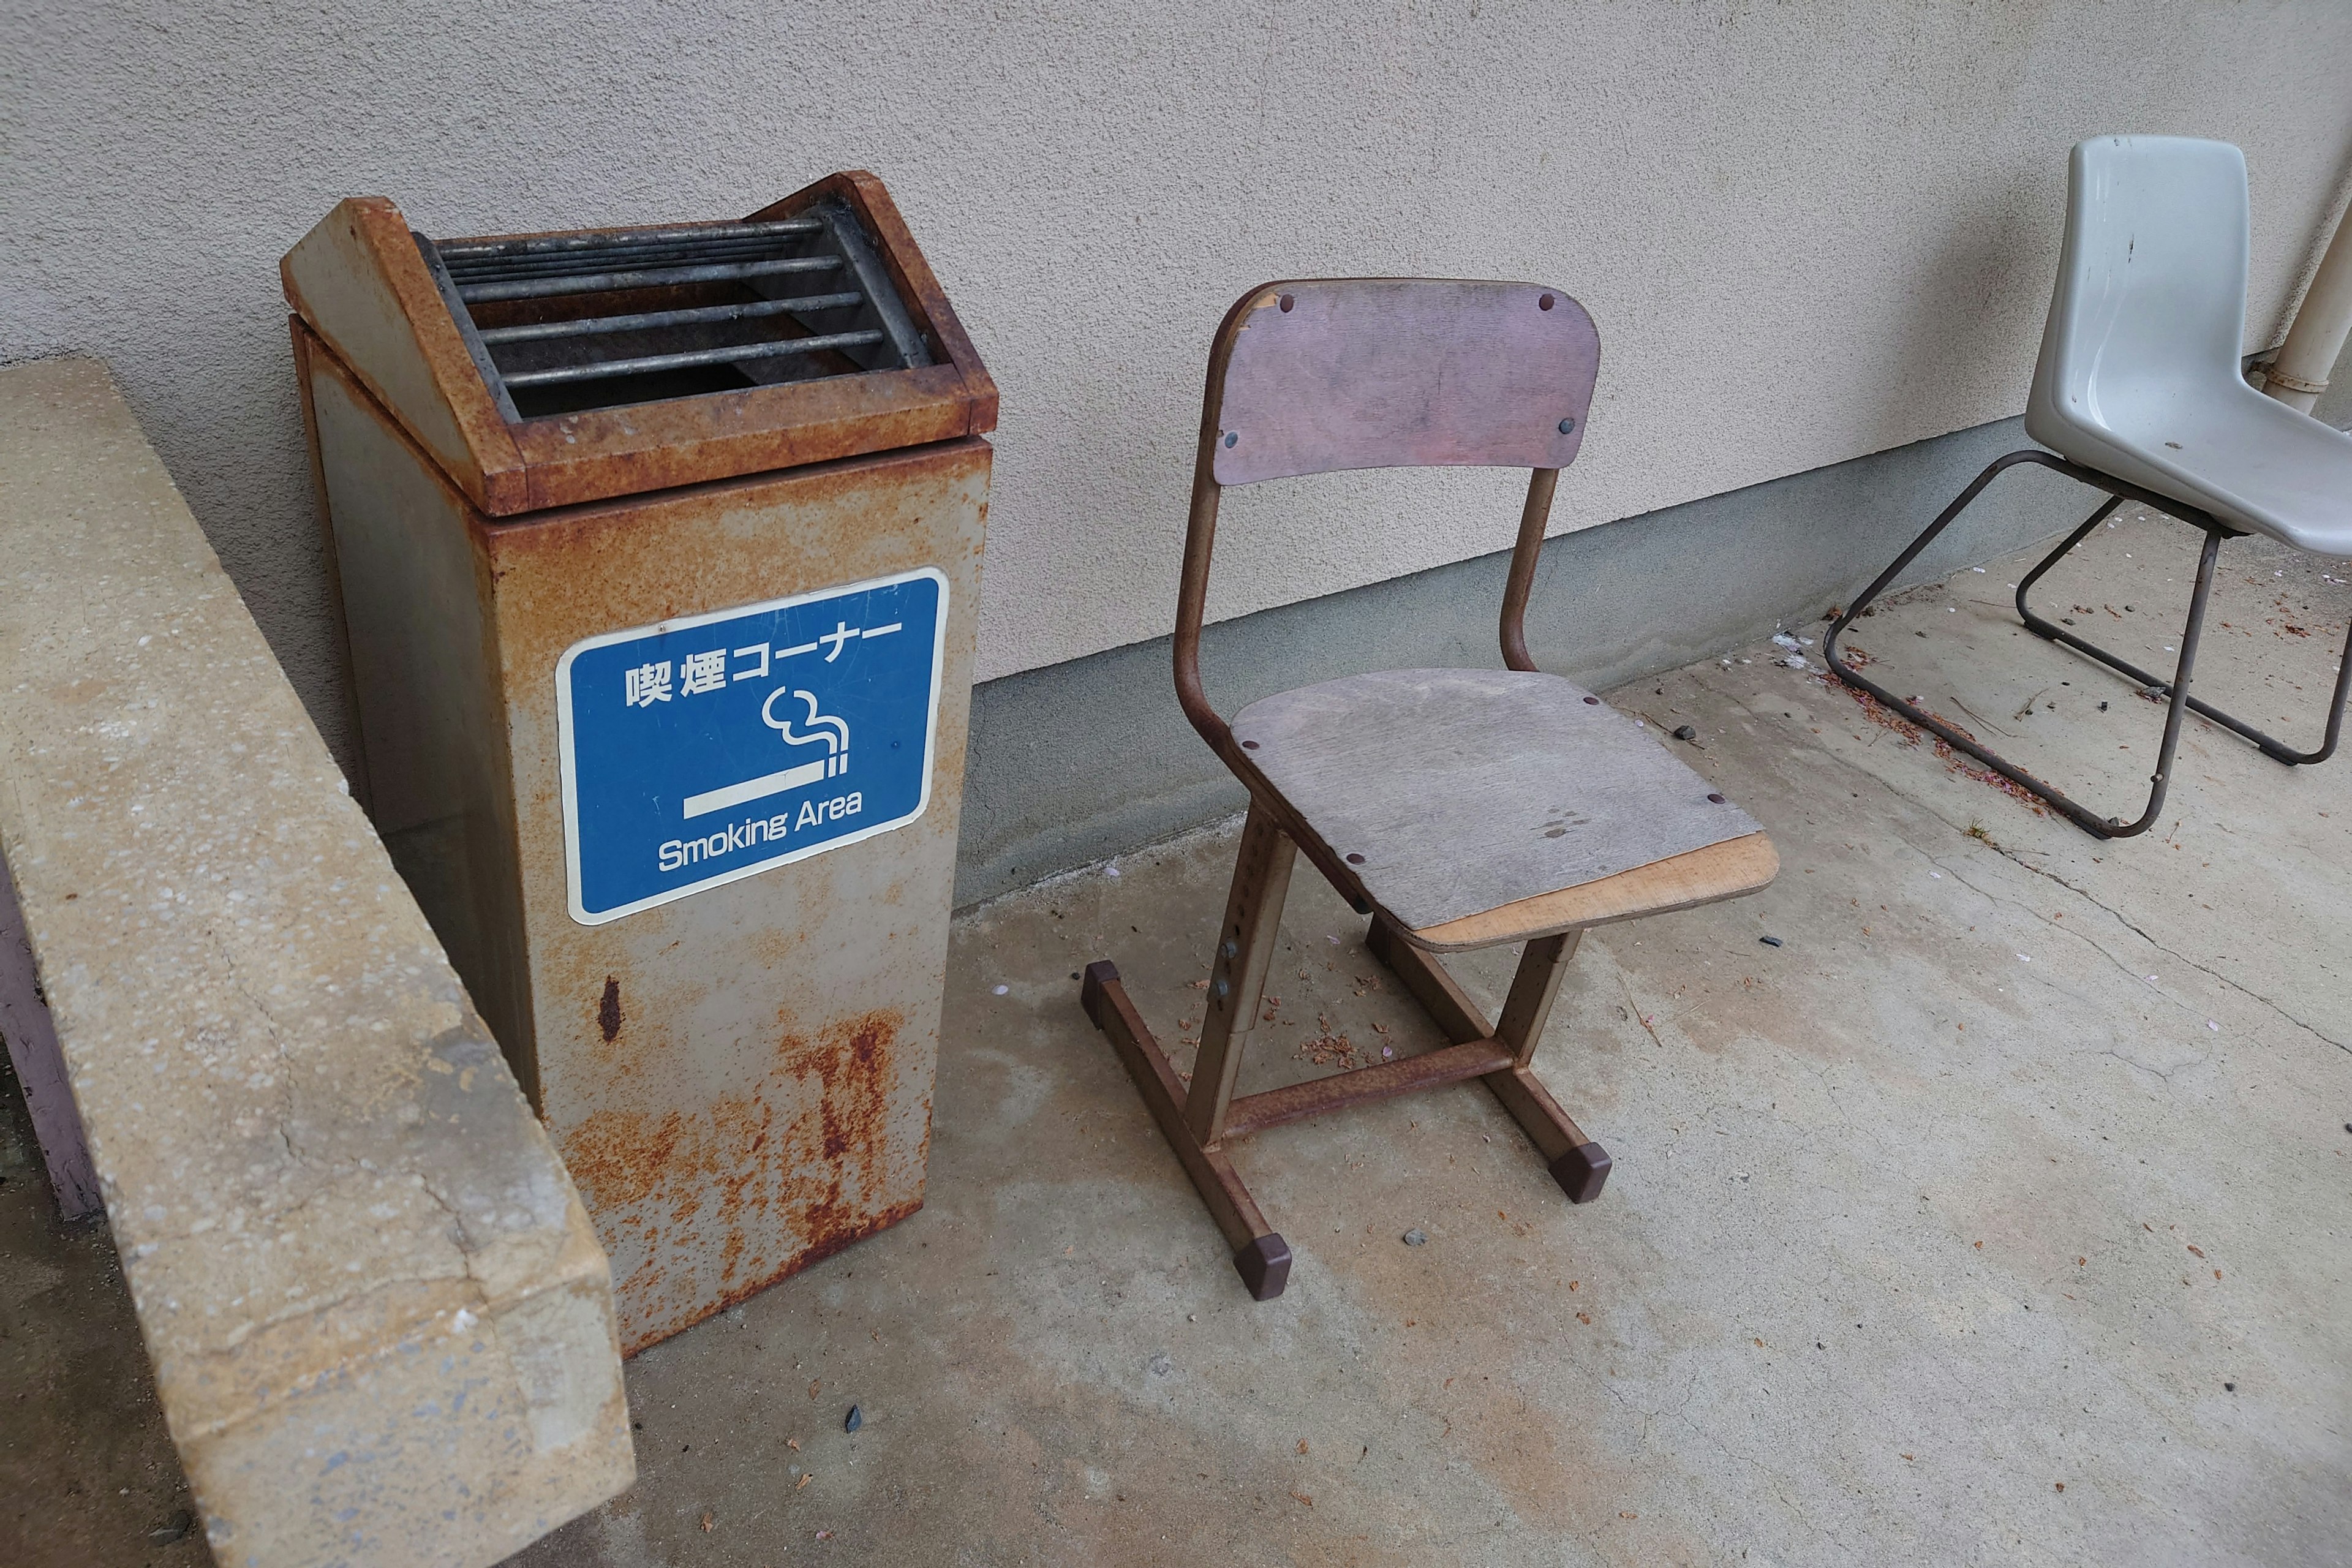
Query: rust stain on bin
[608,1010]
[771,1178]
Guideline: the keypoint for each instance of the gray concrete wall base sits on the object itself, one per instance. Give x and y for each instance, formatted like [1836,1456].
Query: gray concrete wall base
[1089,758]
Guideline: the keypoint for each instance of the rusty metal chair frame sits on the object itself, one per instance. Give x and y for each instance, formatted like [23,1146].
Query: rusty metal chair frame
[1202,1122]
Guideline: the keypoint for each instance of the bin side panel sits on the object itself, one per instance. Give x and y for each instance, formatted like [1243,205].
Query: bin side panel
[416,603]
[358,280]
[741,1079]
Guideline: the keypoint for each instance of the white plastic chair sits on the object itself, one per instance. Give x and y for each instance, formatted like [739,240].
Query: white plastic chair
[2138,393]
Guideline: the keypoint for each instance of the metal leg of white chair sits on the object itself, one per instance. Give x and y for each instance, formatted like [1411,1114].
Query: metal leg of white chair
[2083,817]
[2270,746]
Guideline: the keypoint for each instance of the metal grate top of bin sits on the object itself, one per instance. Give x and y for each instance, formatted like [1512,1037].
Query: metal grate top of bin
[735,305]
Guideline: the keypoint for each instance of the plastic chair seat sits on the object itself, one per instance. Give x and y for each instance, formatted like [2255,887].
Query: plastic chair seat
[1469,802]
[2250,460]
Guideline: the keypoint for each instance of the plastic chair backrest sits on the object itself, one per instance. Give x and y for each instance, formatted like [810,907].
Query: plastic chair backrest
[1324,374]
[2151,297]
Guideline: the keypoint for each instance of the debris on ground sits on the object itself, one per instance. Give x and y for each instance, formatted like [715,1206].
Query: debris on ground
[1328,1051]
[1952,760]
[1686,733]
[1415,1238]
[854,1420]
[1769,941]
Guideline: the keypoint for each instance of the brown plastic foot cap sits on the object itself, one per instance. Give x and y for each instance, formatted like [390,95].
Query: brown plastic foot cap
[1264,1266]
[1102,971]
[1581,1172]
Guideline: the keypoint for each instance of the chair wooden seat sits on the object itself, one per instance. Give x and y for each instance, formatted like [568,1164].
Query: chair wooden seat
[1464,798]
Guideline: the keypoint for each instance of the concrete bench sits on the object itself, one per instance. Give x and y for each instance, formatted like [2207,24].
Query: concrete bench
[381,1325]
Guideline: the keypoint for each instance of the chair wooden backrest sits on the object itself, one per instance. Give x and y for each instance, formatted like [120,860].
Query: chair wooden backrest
[1392,373]
[1318,375]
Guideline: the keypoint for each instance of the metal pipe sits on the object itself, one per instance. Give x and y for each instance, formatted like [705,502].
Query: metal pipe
[639,256]
[1533,518]
[653,277]
[588,326]
[543,245]
[2299,374]
[727,356]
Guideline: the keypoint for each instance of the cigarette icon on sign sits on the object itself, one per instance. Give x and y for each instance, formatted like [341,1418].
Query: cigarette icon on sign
[822,729]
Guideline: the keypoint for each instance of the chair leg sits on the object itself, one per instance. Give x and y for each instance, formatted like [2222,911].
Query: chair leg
[1237,977]
[2104,827]
[1578,1164]
[1193,1123]
[1197,1123]
[2277,750]
[1261,1257]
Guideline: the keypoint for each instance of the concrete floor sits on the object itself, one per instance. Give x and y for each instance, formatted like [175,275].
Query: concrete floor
[1997,1216]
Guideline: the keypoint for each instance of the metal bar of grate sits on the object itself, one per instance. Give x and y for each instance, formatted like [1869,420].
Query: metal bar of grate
[545,245]
[476,350]
[636,257]
[867,271]
[590,325]
[653,278]
[651,362]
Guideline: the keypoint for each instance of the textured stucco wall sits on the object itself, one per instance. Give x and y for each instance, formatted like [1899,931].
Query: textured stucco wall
[1806,231]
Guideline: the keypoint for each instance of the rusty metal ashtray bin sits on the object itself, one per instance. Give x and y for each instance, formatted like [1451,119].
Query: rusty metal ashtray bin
[659,555]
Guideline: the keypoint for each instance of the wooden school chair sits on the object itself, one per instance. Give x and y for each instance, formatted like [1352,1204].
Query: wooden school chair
[2138,394]
[1458,808]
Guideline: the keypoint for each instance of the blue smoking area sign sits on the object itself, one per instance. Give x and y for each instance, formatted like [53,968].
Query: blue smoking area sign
[709,749]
